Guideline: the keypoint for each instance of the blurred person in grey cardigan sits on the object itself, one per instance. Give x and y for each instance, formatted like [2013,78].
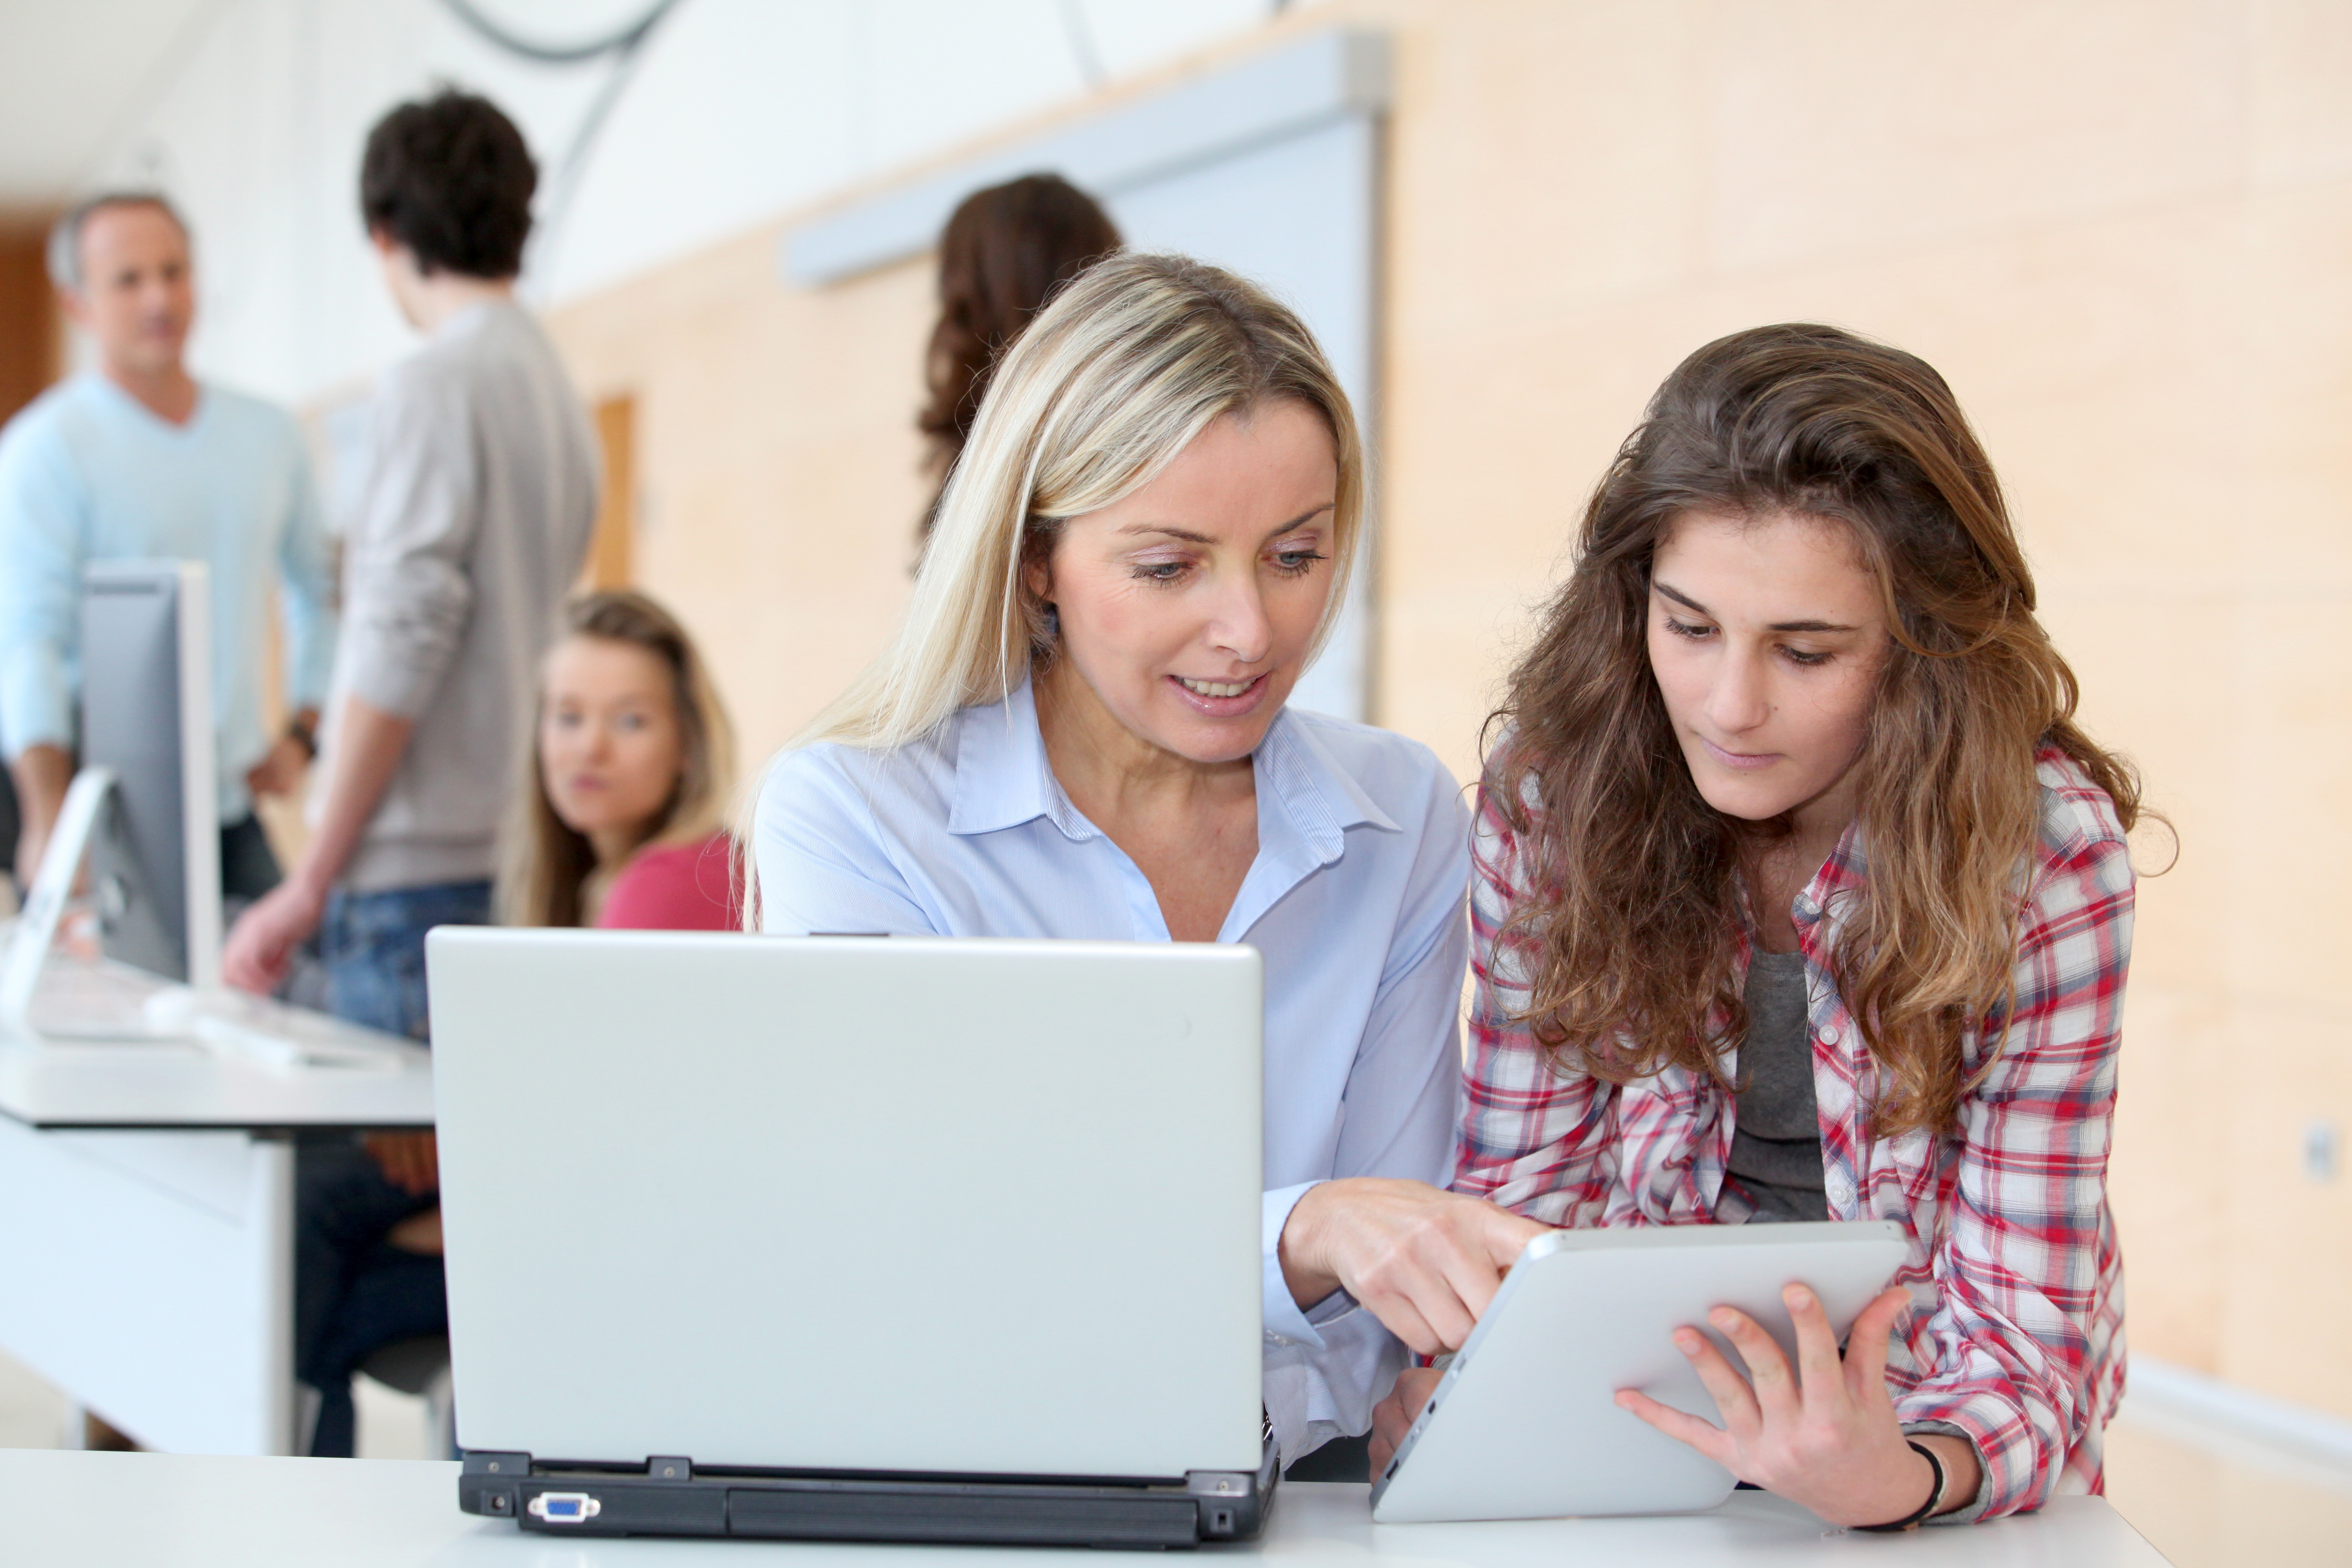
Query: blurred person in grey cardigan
[478,500]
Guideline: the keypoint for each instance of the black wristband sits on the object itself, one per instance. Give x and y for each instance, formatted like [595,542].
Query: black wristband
[1912,1520]
[304,736]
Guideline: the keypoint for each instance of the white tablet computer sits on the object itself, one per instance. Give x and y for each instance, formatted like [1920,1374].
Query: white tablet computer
[1525,1424]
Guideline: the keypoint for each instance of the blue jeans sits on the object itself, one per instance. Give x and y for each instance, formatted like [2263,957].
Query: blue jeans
[372,945]
[353,1292]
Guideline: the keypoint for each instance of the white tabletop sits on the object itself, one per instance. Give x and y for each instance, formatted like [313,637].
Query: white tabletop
[156,1511]
[258,1066]
[171,1085]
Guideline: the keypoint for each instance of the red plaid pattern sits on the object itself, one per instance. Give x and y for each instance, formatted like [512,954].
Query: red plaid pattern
[2016,1338]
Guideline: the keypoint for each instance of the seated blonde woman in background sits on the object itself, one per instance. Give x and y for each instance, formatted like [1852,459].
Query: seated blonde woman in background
[618,824]
[620,821]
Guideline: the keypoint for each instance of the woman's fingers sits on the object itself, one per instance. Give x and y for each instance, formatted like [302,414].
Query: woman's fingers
[1734,1399]
[1467,1279]
[1414,1252]
[1487,1240]
[1712,1441]
[1477,1243]
[1768,1369]
[1413,1386]
[1503,1234]
[1443,1300]
[1401,1317]
[1817,1349]
[1393,1417]
[1417,1303]
[1390,1423]
[1866,1347]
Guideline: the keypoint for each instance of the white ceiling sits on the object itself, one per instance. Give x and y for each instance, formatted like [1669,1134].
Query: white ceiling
[72,72]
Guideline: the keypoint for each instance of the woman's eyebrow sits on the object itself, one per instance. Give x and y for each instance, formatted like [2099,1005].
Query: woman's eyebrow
[1678,596]
[1303,518]
[1190,537]
[1689,603]
[1169,530]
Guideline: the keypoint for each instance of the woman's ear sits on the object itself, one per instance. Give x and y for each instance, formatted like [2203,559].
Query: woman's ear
[1037,576]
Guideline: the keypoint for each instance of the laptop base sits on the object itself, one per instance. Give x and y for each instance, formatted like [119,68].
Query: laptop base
[673,1496]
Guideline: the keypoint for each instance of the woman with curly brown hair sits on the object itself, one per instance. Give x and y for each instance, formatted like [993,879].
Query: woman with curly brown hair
[1797,894]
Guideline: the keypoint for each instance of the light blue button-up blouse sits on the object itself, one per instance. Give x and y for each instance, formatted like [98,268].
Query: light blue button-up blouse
[1355,902]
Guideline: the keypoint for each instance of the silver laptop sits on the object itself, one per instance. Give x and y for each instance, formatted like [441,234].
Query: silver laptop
[853,1237]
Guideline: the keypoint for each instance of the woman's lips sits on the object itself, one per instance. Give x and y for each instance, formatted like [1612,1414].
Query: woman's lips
[1741,761]
[1233,707]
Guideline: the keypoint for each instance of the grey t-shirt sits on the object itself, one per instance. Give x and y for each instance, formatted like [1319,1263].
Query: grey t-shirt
[1776,1141]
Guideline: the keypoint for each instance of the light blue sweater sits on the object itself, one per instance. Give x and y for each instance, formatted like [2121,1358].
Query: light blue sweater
[87,473]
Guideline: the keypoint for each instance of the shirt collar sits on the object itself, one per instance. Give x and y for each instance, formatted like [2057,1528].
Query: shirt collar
[470,317]
[1319,796]
[1838,881]
[1003,780]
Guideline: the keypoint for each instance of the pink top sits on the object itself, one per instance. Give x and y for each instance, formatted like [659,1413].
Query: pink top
[675,887]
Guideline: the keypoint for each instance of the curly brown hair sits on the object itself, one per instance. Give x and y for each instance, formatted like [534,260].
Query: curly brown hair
[1004,254]
[1631,882]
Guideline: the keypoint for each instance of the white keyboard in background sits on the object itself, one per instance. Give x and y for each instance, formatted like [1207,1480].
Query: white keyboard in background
[268,1033]
[82,1000]
[105,1003]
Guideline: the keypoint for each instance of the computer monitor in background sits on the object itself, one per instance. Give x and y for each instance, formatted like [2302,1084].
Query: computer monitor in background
[139,837]
[146,717]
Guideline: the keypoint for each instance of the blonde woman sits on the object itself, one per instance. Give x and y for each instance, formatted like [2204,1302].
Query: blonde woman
[619,821]
[1079,731]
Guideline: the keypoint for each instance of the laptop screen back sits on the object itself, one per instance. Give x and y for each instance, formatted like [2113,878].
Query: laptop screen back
[852,1204]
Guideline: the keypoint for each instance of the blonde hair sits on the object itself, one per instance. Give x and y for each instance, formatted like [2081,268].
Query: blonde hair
[1117,375]
[544,864]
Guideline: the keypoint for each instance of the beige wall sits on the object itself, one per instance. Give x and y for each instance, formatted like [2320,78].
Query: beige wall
[2123,230]
[780,473]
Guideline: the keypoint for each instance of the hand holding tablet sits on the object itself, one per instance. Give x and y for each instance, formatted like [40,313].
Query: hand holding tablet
[1531,1420]
[1828,1438]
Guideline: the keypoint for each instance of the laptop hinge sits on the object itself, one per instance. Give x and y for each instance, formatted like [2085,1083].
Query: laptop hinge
[669,1468]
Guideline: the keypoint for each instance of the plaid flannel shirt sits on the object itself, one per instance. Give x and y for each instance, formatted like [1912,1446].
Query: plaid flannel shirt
[2015,1341]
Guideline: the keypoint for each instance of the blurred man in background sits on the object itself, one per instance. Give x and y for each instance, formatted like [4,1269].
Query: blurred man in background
[139,460]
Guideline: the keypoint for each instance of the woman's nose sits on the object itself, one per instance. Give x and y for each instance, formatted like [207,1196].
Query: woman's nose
[1241,627]
[1735,701]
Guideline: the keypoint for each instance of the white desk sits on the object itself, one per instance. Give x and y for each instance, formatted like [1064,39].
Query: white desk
[146,1216]
[156,1510]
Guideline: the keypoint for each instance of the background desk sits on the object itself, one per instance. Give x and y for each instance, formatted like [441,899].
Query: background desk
[146,1223]
[157,1511]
